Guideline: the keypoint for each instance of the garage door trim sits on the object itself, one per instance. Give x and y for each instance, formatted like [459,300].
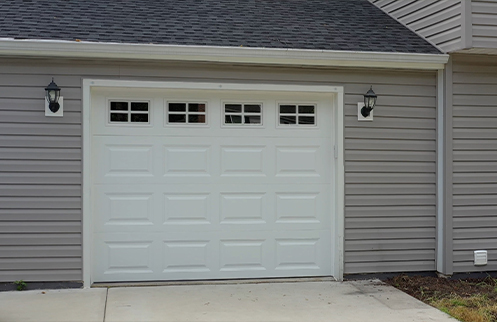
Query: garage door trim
[337,95]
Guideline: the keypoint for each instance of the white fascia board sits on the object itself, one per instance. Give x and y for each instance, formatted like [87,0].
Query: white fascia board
[273,56]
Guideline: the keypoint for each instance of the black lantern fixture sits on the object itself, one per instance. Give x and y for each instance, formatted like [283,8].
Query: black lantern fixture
[369,102]
[52,94]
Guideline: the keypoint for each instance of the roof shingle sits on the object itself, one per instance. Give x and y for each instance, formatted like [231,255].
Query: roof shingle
[354,25]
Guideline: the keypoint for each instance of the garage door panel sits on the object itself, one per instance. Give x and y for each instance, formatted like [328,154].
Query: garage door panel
[182,162]
[168,208]
[210,201]
[211,255]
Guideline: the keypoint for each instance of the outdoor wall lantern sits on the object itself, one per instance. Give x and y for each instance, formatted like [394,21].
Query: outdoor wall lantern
[369,102]
[52,94]
[53,100]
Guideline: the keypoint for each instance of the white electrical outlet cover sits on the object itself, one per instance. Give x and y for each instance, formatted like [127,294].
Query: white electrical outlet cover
[59,113]
[360,105]
[481,257]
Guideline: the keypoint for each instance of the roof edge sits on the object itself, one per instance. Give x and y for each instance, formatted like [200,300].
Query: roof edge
[249,55]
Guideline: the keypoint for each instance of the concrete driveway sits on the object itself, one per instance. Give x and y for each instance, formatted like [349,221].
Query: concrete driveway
[265,302]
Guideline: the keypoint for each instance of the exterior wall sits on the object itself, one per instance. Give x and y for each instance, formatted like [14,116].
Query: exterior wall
[390,163]
[484,23]
[438,21]
[474,160]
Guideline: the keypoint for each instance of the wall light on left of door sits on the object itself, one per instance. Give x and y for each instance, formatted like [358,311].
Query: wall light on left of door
[53,100]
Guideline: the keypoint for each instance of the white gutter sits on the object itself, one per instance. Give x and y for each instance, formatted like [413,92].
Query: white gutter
[302,57]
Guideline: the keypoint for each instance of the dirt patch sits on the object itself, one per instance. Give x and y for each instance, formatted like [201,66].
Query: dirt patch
[470,300]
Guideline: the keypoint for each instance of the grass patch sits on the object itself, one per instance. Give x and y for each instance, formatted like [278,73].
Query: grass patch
[477,308]
[468,300]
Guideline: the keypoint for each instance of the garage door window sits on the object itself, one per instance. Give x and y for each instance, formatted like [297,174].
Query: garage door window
[186,113]
[242,114]
[290,114]
[129,112]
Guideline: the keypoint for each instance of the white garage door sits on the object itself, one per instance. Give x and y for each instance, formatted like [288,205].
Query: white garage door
[197,184]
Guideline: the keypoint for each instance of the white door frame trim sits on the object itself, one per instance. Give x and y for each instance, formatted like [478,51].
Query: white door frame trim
[339,174]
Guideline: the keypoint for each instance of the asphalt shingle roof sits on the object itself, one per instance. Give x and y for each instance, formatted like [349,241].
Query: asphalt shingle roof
[355,25]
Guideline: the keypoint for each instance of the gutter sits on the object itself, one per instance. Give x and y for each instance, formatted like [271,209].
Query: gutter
[244,55]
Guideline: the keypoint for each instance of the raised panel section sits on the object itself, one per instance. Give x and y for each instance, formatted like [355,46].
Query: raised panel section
[297,254]
[128,257]
[297,207]
[187,161]
[186,209]
[186,256]
[297,161]
[128,160]
[128,209]
[242,208]
[242,161]
[241,255]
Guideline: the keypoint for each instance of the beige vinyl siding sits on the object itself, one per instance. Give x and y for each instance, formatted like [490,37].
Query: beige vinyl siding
[474,160]
[484,23]
[438,21]
[389,163]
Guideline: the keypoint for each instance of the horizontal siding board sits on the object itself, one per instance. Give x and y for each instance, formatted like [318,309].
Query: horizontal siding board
[389,244]
[389,156]
[475,189]
[397,134]
[475,156]
[389,167]
[390,233]
[475,111]
[50,275]
[469,267]
[13,264]
[470,211]
[40,166]
[389,222]
[40,178]
[31,129]
[462,133]
[382,178]
[40,191]
[475,145]
[390,267]
[389,145]
[22,215]
[34,227]
[475,222]
[36,153]
[33,251]
[389,189]
[390,211]
[40,239]
[470,233]
[390,256]
[389,200]
[7,141]
[475,200]
[475,243]
[475,89]
[40,202]
[473,178]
